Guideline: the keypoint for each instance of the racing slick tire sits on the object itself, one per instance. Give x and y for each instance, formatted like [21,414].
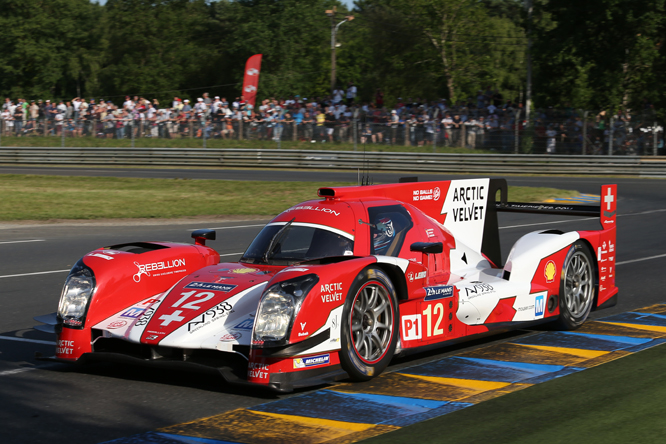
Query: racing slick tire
[369,325]
[577,287]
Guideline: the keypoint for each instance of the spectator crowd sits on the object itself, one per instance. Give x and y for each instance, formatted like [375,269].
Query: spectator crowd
[487,121]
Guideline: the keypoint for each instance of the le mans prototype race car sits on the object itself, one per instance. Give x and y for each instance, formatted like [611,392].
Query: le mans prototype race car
[334,288]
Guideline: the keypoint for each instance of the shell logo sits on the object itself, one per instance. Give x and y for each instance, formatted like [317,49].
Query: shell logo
[550,271]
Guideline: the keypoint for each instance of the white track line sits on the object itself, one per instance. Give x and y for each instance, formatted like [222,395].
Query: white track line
[33,274]
[640,259]
[18,370]
[229,228]
[35,341]
[22,241]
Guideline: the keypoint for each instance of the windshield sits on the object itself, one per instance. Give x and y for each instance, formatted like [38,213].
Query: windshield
[297,243]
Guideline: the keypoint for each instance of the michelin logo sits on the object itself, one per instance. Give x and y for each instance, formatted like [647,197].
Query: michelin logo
[538,306]
[312,361]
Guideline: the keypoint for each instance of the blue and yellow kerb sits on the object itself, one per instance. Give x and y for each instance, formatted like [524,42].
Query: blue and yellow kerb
[348,413]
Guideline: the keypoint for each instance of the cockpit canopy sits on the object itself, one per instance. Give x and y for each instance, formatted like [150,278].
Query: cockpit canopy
[285,243]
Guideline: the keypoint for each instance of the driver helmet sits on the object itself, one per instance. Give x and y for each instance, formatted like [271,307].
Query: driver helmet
[382,234]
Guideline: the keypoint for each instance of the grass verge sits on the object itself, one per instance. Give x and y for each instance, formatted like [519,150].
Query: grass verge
[32,197]
[617,402]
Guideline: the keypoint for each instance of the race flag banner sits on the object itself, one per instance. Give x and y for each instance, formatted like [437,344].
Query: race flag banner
[251,81]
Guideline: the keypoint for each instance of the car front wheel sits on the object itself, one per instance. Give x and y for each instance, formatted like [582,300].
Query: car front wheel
[369,332]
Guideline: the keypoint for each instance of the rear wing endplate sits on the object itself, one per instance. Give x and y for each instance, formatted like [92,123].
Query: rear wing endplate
[491,248]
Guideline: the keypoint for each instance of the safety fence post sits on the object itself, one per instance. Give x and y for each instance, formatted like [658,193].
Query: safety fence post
[516,125]
[584,150]
[611,130]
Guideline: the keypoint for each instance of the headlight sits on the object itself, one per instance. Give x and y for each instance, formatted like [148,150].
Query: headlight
[76,295]
[278,307]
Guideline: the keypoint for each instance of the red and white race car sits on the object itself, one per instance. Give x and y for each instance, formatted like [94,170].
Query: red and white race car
[336,287]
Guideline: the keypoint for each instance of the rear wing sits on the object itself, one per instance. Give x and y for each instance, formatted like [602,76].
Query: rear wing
[606,212]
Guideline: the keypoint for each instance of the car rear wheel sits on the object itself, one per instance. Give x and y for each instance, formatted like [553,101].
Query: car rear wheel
[577,287]
[369,330]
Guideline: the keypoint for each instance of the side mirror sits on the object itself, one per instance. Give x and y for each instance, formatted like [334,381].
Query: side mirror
[200,236]
[427,247]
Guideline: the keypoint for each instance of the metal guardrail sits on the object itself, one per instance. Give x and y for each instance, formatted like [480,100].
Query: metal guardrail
[340,160]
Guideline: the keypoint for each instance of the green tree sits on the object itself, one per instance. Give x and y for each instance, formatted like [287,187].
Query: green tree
[598,54]
[293,36]
[151,47]
[46,48]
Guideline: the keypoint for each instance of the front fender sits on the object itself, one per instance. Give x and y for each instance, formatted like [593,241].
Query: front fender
[126,274]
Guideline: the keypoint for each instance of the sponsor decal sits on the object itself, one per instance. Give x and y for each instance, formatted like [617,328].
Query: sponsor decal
[133,312]
[429,194]
[245,325]
[303,324]
[143,320]
[73,322]
[411,327]
[611,247]
[225,288]
[243,270]
[528,307]
[257,370]
[152,337]
[331,292]
[430,232]
[117,324]
[434,293]
[470,197]
[157,266]
[65,347]
[414,276]
[478,289]
[230,337]
[218,312]
[311,208]
[539,305]
[549,271]
[303,333]
[312,361]
[106,255]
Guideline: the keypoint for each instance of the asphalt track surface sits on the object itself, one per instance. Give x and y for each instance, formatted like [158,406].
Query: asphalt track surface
[54,403]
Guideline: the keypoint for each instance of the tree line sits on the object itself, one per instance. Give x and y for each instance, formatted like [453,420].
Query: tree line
[593,54]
